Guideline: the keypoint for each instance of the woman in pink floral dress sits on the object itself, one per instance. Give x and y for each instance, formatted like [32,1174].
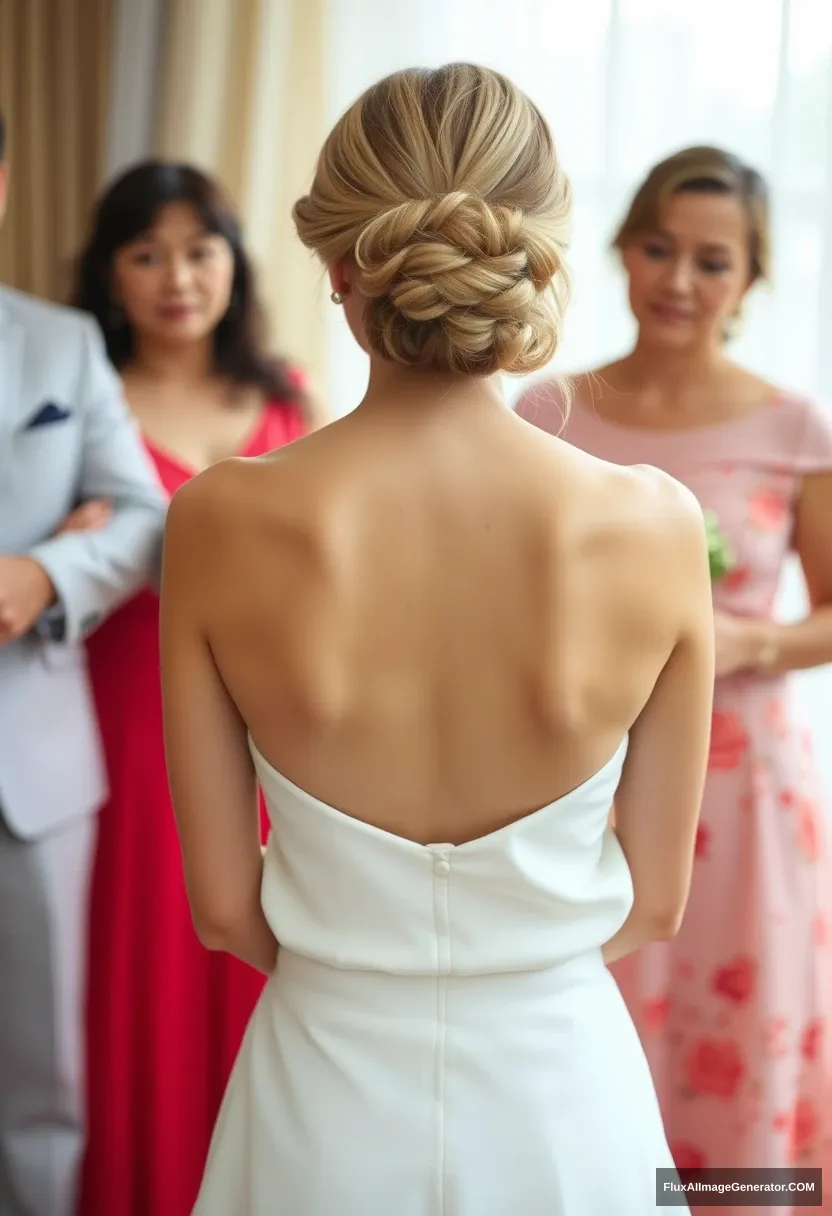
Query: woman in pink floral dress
[734,1012]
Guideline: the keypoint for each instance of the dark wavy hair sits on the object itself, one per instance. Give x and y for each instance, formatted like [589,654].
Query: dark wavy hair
[127,209]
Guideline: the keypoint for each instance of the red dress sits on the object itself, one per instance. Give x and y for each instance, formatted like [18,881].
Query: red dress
[165,1017]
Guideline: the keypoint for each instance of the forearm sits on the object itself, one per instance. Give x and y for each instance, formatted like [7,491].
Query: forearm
[254,943]
[642,926]
[636,932]
[249,939]
[248,935]
[93,573]
[779,648]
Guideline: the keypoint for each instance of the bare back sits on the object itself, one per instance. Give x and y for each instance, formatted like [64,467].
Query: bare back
[438,624]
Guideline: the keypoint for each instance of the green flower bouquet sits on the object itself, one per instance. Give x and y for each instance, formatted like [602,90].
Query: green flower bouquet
[720,554]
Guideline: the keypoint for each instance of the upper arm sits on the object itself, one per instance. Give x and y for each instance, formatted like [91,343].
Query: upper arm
[813,536]
[658,800]
[93,572]
[211,773]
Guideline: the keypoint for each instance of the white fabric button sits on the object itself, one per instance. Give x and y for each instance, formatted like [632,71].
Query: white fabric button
[443,866]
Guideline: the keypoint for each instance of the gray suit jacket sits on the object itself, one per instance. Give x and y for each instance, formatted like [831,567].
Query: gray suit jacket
[65,436]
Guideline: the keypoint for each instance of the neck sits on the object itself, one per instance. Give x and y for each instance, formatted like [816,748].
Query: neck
[158,360]
[409,395]
[672,371]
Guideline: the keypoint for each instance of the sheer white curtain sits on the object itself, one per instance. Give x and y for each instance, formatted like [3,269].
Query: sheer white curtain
[136,42]
[624,82]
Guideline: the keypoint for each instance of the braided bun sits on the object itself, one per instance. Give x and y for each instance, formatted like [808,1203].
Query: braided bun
[457,284]
[443,190]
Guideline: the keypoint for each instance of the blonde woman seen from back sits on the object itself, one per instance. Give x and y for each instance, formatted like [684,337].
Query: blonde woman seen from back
[441,640]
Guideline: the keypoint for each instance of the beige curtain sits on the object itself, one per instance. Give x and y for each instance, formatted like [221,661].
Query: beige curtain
[242,96]
[54,68]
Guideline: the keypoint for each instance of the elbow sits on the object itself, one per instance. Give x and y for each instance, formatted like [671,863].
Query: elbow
[216,928]
[223,908]
[664,923]
[659,906]
[212,934]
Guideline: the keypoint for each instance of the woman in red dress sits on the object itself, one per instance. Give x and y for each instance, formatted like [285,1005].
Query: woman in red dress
[166,276]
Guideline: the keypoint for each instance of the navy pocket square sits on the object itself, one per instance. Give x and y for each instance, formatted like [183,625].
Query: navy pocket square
[48,413]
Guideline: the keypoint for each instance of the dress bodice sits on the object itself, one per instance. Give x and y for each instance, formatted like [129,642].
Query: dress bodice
[548,887]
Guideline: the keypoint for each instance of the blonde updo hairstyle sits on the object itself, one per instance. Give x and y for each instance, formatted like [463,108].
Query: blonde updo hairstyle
[704,170]
[443,190]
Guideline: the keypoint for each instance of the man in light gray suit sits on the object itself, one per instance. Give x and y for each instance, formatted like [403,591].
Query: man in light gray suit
[65,437]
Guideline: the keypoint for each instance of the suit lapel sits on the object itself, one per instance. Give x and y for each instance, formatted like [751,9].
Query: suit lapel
[11,361]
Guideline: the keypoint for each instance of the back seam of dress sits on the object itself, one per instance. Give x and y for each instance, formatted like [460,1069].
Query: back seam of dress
[441,1042]
[442,929]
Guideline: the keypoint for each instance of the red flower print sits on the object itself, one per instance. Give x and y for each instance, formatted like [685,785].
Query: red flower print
[729,741]
[787,799]
[801,1127]
[808,830]
[736,980]
[820,930]
[714,1067]
[688,1156]
[804,1128]
[703,841]
[654,1013]
[768,508]
[810,1043]
[736,579]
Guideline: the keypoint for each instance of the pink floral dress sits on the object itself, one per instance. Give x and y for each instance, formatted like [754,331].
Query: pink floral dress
[735,1013]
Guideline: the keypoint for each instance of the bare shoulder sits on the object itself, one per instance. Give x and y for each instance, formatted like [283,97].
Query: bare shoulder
[657,490]
[211,505]
[647,533]
[208,493]
[220,520]
[667,552]
[630,493]
[235,485]
[653,509]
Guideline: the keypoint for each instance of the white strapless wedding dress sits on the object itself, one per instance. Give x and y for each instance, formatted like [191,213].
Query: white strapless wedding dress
[440,1036]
